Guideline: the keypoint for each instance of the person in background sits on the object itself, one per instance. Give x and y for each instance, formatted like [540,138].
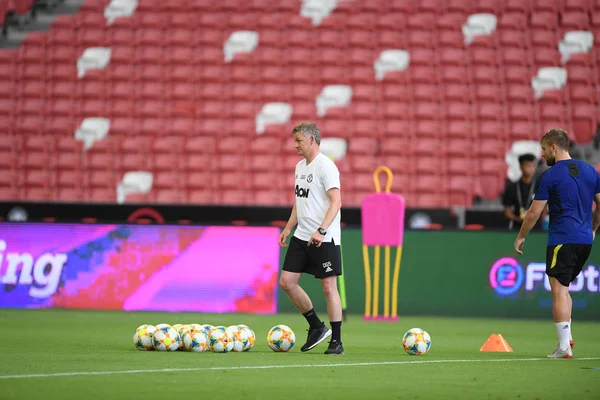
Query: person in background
[517,196]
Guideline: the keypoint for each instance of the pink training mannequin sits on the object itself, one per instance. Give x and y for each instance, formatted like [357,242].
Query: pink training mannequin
[382,225]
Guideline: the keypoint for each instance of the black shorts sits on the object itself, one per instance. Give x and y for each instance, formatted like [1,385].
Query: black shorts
[565,261]
[321,262]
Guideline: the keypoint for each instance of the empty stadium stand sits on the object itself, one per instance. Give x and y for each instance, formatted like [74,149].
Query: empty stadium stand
[181,109]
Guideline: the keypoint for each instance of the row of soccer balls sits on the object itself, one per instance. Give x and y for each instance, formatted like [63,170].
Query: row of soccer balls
[200,338]
[238,338]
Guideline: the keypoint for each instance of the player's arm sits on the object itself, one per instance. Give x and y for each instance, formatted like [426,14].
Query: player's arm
[542,195]
[531,218]
[545,212]
[292,222]
[335,197]
[596,221]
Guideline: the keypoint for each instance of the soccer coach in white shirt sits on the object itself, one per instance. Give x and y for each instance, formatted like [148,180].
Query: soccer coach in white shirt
[315,247]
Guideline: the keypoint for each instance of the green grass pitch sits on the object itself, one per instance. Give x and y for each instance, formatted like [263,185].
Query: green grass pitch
[66,354]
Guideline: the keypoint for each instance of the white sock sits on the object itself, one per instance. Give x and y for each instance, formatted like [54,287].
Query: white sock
[563,329]
[570,327]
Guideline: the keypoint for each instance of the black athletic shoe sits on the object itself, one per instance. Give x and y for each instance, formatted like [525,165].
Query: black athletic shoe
[316,336]
[335,347]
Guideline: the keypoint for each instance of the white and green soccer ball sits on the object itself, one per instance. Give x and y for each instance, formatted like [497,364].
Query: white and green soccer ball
[416,342]
[195,340]
[219,340]
[281,338]
[142,338]
[250,334]
[166,338]
[240,338]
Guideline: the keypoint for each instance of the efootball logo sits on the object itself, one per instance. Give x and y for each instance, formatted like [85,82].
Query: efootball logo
[301,192]
[507,277]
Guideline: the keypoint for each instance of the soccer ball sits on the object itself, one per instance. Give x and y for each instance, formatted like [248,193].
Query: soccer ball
[219,340]
[166,338]
[142,338]
[250,334]
[182,330]
[416,342]
[281,338]
[195,340]
[176,327]
[206,328]
[240,337]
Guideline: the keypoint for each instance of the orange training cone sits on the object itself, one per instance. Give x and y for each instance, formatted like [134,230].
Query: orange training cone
[496,343]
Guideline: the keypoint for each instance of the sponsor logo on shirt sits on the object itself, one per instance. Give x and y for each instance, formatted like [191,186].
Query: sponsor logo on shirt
[301,192]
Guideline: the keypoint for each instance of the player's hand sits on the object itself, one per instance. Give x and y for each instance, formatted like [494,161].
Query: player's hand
[316,239]
[283,238]
[519,245]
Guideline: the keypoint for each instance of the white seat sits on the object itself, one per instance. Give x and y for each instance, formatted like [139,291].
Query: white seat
[134,182]
[93,58]
[118,9]
[273,113]
[335,148]
[519,148]
[575,42]
[240,42]
[317,10]
[478,25]
[390,60]
[17,214]
[548,78]
[333,96]
[91,130]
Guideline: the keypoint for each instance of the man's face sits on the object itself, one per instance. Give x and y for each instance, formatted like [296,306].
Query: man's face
[528,168]
[302,144]
[549,154]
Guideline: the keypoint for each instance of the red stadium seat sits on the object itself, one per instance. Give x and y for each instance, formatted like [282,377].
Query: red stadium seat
[513,20]
[522,130]
[578,5]
[575,20]
[419,38]
[544,19]
[23,6]
[460,166]
[178,110]
[543,38]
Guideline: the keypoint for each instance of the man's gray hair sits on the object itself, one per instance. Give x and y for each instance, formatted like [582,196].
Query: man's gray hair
[308,129]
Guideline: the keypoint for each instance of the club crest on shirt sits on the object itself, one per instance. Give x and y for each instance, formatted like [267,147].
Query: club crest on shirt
[309,178]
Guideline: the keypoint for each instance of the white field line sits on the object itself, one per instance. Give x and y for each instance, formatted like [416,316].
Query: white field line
[245,367]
